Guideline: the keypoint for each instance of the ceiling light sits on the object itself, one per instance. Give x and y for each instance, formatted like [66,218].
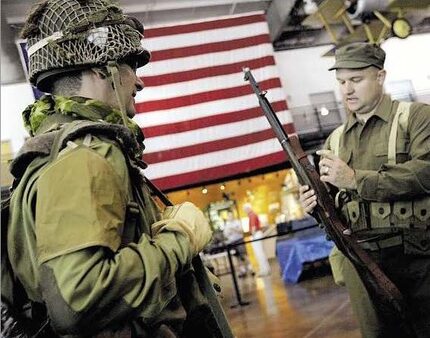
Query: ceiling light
[324,111]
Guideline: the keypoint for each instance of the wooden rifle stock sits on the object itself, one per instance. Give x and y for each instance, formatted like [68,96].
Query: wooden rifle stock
[385,294]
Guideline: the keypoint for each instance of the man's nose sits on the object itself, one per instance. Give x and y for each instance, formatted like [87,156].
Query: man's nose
[139,83]
[349,88]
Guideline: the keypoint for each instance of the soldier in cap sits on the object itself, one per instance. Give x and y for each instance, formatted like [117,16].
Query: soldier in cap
[380,162]
[85,240]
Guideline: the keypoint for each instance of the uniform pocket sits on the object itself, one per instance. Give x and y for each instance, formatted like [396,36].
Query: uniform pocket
[380,152]
[380,149]
[417,242]
[353,211]
[402,150]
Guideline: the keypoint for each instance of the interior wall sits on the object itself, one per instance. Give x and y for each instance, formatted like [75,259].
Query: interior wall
[14,99]
[303,72]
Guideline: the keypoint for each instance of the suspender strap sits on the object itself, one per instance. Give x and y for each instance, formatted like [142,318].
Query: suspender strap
[401,118]
[335,139]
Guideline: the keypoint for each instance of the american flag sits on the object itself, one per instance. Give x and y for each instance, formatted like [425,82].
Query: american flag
[201,120]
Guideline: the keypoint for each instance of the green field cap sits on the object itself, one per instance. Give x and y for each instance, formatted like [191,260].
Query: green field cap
[359,55]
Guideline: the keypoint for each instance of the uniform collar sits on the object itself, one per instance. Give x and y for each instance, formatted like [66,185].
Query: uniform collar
[383,111]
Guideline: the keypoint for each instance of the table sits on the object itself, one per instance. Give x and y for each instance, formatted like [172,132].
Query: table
[302,247]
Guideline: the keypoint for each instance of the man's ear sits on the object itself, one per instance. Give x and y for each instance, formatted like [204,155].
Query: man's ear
[380,77]
[100,72]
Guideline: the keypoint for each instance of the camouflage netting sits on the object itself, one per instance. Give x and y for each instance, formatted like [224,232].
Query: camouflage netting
[92,33]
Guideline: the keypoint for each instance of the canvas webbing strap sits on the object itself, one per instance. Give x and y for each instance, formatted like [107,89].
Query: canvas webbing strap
[400,119]
[335,139]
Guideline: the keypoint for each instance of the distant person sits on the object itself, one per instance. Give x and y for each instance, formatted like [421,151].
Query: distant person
[233,233]
[255,229]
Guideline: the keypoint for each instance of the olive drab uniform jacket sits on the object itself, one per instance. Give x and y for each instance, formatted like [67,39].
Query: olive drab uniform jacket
[394,194]
[79,236]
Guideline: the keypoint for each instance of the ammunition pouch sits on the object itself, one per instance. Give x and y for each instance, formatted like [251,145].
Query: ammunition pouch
[421,211]
[380,214]
[362,215]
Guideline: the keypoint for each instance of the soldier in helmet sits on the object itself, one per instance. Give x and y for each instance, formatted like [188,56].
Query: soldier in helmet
[85,239]
[380,161]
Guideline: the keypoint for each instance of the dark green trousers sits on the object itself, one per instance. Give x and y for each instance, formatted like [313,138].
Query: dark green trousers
[411,274]
[345,275]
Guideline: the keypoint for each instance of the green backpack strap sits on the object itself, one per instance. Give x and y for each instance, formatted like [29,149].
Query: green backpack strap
[400,119]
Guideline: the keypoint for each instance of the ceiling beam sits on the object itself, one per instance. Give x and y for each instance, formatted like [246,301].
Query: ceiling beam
[17,11]
[278,15]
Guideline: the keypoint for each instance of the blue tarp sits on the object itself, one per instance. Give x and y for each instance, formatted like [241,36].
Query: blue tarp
[306,246]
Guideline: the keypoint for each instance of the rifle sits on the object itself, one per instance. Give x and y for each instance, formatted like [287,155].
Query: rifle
[215,316]
[387,297]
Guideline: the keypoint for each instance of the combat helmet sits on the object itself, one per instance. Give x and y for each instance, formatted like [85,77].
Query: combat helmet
[68,35]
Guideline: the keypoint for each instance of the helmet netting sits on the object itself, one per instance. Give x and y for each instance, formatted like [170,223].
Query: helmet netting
[94,32]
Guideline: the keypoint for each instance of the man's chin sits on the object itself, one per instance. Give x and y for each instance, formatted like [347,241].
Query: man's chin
[353,107]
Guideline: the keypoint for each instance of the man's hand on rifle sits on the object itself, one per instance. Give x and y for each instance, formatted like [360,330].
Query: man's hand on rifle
[336,172]
[187,219]
[307,198]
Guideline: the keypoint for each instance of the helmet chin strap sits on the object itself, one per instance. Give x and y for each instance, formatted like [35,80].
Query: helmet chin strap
[114,77]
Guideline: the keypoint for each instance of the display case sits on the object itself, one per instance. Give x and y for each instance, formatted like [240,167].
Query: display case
[216,212]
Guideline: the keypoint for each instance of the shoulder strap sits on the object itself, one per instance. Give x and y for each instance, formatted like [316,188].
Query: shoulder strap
[400,119]
[335,139]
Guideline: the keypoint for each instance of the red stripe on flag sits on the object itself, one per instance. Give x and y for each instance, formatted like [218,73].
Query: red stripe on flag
[208,147]
[207,175]
[200,73]
[210,121]
[188,100]
[214,47]
[203,26]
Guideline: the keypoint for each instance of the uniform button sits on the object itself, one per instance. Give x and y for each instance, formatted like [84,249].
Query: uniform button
[381,211]
[217,287]
[423,212]
[424,242]
[403,211]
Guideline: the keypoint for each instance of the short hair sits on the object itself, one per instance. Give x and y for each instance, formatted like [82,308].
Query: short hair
[247,207]
[66,84]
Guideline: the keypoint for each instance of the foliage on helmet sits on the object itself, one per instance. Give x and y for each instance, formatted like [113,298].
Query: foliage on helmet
[66,35]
